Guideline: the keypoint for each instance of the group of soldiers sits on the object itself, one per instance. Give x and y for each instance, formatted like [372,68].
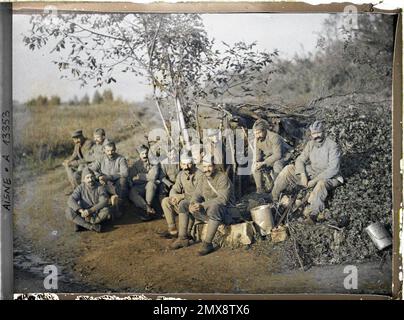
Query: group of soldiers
[198,189]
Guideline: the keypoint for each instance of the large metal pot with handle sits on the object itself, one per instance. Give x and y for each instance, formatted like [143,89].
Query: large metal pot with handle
[262,216]
[379,235]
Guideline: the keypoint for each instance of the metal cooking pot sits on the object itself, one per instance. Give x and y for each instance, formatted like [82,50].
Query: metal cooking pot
[262,216]
[379,235]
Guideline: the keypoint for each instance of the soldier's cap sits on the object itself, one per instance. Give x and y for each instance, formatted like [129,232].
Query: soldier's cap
[316,126]
[260,124]
[154,139]
[208,159]
[86,172]
[186,158]
[99,131]
[142,148]
[77,133]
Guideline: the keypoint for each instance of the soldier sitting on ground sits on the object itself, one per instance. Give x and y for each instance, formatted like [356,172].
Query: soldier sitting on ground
[316,168]
[79,159]
[209,203]
[143,183]
[112,171]
[272,153]
[169,169]
[88,204]
[178,200]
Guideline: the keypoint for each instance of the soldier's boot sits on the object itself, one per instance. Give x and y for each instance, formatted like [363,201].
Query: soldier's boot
[115,205]
[207,246]
[172,230]
[79,221]
[206,249]
[78,228]
[96,227]
[179,243]
[171,233]
[150,210]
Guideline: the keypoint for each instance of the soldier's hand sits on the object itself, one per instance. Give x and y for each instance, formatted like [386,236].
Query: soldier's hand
[66,163]
[195,207]
[259,165]
[175,200]
[304,180]
[103,180]
[85,213]
[135,177]
[311,184]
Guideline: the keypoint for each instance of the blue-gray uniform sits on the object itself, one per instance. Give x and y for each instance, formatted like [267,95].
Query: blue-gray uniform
[79,159]
[143,177]
[167,176]
[97,151]
[91,198]
[216,195]
[183,189]
[274,152]
[115,172]
[321,163]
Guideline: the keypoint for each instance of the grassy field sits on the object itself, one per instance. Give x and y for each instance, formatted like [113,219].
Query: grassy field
[42,134]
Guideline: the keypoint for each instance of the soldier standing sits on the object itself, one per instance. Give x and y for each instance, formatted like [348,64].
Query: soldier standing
[317,168]
[88,204]
[79,159]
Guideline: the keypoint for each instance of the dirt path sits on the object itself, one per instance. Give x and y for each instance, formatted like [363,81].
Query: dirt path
[129,257]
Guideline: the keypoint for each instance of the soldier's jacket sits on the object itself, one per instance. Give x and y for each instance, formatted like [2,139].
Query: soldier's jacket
[81,153]
[97,151]
[86,197]
[319,161]
[272,149]
[186,184]
[145,170]
[214,190]
[113,169]
[168,173]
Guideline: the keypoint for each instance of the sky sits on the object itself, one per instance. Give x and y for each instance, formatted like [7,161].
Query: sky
[34,73]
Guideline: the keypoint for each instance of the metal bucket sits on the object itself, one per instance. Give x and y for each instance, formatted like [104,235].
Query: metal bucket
[379,235]
[262,216]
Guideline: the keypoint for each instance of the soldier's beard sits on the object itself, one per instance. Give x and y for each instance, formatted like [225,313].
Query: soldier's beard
[91,183]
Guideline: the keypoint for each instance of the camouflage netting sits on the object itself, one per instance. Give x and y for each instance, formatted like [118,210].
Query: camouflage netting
[364,136]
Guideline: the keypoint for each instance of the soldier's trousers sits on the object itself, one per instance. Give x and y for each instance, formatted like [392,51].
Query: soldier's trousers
[214,214]
[74,175]
[118,187]
[289,179]
[100,216]
[170,210]
[143,195]
[259,175]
